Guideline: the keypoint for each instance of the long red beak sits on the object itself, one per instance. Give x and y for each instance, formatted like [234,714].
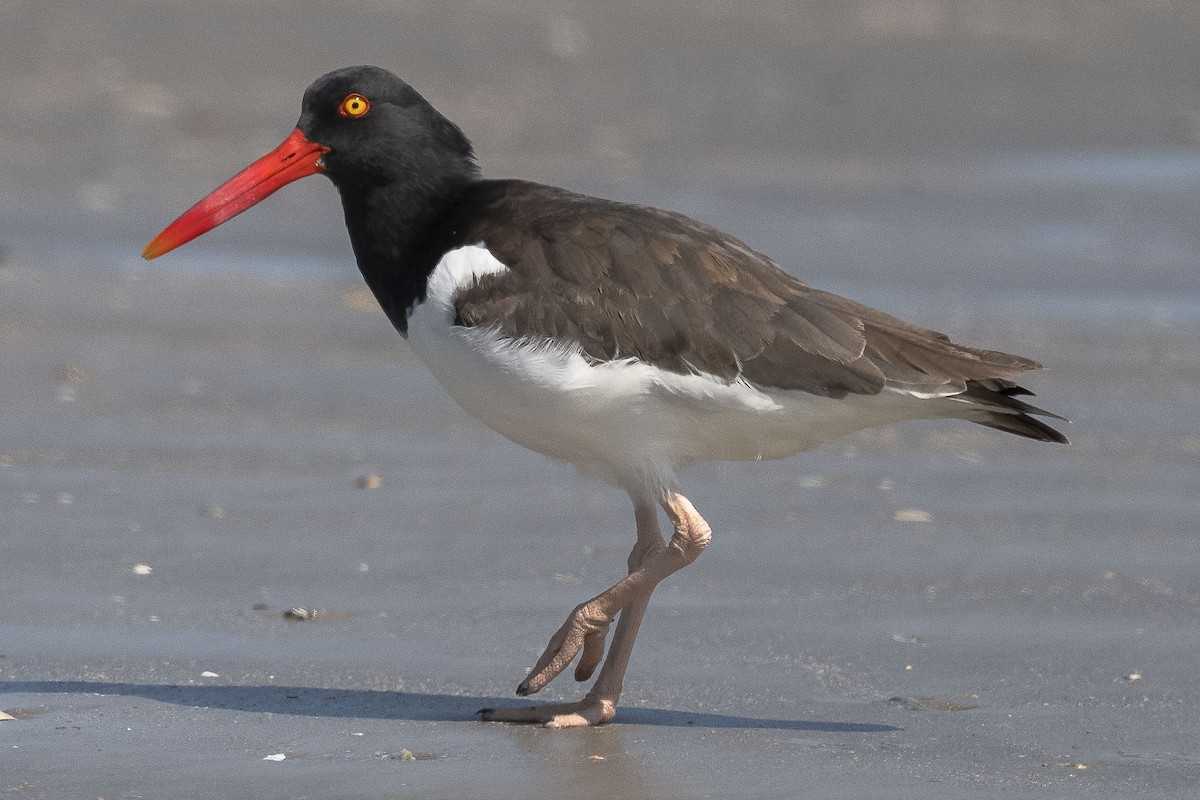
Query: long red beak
[296,158]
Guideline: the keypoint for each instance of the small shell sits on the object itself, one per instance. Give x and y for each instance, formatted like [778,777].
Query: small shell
[299,615]
[371,481]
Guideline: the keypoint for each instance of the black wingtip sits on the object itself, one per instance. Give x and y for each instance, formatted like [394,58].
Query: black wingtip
[997,407]
[1023,425]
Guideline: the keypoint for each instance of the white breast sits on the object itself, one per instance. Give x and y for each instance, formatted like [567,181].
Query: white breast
[626,422]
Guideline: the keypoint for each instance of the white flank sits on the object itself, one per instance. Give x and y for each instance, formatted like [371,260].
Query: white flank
[626,422]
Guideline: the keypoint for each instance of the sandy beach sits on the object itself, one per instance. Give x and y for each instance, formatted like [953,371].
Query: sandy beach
[192,449]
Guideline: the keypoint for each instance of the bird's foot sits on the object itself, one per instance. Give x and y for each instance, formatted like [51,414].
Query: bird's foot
[591,710]
[585,629]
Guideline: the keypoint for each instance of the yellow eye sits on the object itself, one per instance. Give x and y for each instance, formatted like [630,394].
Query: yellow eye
[354,106]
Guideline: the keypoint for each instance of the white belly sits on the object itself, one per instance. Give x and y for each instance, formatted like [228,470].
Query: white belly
[625,422]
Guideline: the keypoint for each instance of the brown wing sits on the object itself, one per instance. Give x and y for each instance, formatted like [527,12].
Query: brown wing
[633,281]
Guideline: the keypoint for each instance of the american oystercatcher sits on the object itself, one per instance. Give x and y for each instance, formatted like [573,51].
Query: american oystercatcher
[629,341]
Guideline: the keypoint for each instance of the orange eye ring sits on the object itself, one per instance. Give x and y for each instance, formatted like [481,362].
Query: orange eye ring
[354,106]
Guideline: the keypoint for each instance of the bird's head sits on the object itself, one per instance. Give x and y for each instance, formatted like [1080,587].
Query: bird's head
[362,127]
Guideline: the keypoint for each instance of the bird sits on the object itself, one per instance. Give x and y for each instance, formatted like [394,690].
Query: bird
[628,341]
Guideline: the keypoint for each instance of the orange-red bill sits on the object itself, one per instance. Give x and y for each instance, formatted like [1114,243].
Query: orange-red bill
[295,158]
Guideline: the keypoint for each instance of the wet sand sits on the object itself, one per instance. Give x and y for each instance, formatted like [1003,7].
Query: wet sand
[215,430]
[926,611]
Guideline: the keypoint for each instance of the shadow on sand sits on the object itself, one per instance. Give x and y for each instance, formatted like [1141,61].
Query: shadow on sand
[374,704]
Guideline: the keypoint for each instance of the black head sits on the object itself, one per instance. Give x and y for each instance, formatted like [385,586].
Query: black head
[393,157]
[379,130]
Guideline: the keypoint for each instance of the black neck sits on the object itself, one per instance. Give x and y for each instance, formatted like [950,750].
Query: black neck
[399,232]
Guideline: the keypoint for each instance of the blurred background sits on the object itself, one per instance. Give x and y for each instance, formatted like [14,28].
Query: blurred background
[948,145]
[190,448]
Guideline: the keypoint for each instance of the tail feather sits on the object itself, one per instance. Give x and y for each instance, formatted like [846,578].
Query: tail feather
[1021,425]
[994,404]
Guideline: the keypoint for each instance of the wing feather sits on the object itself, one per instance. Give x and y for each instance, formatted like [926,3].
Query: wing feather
[626,281]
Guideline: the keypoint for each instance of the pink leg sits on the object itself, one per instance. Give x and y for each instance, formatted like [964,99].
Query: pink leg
[586,628]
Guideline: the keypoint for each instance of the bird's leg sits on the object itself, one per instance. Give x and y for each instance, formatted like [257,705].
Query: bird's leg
[650,561]
[586,627]
[600,704]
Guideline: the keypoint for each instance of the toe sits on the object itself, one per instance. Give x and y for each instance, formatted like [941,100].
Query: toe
[593,654]
[586,713]
[585,629]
